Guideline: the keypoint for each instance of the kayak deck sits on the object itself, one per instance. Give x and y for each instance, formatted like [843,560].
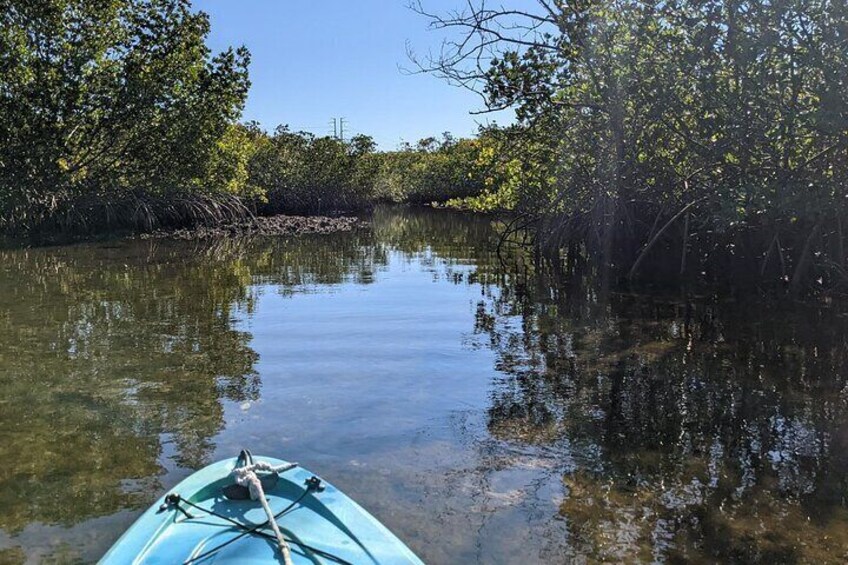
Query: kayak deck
[321,526]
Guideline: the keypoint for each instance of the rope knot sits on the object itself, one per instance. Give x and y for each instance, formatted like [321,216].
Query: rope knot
[246,476]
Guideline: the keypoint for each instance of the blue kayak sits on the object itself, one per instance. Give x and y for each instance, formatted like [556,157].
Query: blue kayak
[204,519]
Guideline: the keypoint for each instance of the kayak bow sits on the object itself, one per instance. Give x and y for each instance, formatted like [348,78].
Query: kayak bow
[208,518]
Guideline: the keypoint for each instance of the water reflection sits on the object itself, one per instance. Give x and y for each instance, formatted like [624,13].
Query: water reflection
[483,410]
[113,355]
[695,430]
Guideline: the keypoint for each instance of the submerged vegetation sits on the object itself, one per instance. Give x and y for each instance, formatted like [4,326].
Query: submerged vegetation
[646,428]
[691,437]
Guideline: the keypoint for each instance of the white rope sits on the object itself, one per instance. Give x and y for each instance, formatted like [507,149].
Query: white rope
[246,477]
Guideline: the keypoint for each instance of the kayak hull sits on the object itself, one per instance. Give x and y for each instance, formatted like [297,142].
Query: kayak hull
[323,526]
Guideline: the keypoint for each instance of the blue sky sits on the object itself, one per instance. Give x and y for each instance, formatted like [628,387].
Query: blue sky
[313,60]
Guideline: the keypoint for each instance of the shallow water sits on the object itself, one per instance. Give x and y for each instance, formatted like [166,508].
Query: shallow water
[482,413]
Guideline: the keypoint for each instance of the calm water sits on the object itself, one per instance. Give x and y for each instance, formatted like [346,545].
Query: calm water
[481,413]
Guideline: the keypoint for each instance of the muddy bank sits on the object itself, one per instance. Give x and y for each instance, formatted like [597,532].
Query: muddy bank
[272,225]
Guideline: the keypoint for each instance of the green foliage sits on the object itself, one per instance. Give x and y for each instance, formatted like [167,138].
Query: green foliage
[298,172]
[432,171]
[718,117]
[511,179]
[110,101]
[228,170]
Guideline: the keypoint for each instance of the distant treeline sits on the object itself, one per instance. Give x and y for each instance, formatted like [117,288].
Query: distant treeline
[288,171]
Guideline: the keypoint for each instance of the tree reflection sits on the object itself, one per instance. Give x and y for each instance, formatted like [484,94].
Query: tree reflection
[665,428]
[696,429]
[117,358]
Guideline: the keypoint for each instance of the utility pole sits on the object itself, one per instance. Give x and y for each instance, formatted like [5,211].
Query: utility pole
[338,128]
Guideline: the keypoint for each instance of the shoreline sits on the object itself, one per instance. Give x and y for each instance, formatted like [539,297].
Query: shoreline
[280,224]
[276,225]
